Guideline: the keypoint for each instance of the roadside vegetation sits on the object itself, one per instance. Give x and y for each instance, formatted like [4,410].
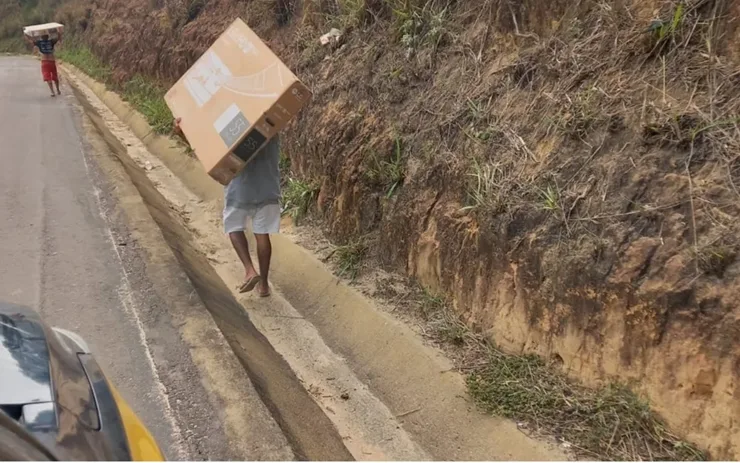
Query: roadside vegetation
[144,94]
[298,196]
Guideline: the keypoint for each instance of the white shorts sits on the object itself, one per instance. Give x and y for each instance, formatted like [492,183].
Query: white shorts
[265,219]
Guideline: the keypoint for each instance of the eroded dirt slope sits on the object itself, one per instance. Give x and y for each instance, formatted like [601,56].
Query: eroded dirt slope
[567,173]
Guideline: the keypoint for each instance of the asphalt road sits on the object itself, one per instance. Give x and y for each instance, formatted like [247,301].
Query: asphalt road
[57,252]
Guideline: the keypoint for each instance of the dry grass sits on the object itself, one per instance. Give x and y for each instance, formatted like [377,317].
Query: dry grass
[389,173]
[579,127]
[715,259]
[444,324]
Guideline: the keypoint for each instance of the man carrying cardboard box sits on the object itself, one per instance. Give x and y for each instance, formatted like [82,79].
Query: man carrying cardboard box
[254,194]
[235,99]
[48,61]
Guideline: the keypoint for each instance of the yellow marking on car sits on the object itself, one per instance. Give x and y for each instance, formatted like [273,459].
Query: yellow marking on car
[140,441]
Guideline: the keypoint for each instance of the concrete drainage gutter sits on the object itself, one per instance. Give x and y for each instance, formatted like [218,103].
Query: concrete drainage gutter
[308,430]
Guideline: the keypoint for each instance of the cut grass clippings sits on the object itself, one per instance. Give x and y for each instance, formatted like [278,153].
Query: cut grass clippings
[142,93]
[608,423]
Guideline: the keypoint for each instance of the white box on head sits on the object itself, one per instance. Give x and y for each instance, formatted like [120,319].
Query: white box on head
[42,29]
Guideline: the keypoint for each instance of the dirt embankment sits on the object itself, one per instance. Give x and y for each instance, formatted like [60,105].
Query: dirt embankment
[567,173]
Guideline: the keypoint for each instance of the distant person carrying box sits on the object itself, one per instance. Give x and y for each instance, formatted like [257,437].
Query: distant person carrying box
[46,45]
[254,194]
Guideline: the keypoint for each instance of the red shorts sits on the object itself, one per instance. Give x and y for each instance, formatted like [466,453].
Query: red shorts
[49,71]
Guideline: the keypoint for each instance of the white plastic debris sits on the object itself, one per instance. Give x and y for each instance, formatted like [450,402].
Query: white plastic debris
[332,36]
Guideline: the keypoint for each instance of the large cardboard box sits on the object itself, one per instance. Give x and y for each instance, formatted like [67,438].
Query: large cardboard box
[41,29]
[235,98]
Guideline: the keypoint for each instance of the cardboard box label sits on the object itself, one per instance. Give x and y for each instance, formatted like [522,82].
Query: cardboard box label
[231,125]
[250,145]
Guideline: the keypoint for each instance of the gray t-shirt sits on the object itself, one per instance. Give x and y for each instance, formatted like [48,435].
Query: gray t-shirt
[258,184]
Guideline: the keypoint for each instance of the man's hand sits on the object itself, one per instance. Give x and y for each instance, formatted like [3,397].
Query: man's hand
[177,130]
[176,126]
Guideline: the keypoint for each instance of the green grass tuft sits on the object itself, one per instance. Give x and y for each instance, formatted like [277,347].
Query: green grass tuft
[285,163]
[349,258]
[550,198]
[83,58]
[148,98]
[298,198]
[484,188]
[418,26]
[388,173]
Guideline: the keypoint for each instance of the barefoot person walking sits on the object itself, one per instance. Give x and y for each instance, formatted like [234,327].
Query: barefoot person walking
[254,194]
[48,61]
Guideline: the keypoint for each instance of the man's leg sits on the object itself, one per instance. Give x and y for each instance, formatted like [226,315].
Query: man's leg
[241,246]
[235,220]
[264,254]
[55,77]
[265,222]
[46,74]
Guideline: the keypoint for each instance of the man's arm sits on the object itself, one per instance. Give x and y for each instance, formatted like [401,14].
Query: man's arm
[60,34]
[31,42]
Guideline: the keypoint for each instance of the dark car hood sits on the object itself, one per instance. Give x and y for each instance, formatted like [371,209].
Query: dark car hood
[52,386]
[25,377]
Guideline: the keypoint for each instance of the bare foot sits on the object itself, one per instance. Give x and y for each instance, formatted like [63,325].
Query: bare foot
[263,289]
